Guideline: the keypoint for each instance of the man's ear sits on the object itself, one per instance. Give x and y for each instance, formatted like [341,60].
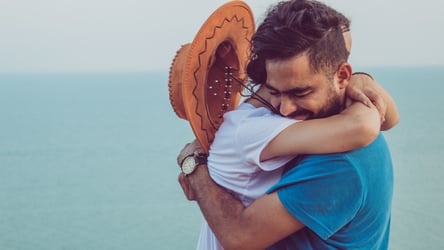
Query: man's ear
[344,75]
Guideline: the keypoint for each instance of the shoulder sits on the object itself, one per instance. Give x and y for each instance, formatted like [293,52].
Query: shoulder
[321,170]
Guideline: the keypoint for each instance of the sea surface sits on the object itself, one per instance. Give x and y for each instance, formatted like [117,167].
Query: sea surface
[87,161]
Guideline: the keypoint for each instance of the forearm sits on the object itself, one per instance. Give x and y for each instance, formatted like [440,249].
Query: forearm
[257,226]
[222,211]
[356,127]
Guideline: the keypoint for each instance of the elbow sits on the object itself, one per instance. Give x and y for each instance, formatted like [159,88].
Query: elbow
[388,124]
[366,132]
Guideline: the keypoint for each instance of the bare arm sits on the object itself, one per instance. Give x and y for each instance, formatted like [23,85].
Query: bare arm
[258,226]
[355,127]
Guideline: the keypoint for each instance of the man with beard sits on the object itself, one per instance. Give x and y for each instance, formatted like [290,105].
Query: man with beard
[340,200]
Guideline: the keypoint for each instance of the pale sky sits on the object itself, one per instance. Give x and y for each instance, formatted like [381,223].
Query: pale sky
[142,35]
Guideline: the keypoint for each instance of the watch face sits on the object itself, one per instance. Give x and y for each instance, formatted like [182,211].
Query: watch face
[188,165]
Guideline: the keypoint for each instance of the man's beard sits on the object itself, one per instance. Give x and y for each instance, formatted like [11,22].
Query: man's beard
[333,106]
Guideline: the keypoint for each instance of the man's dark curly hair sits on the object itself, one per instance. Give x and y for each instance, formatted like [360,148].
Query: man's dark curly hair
[299,26]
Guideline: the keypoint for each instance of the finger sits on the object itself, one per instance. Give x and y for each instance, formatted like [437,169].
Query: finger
[361,95]
[183,181]
[196,147]
[380,104]
[179,159]
[365,100]
[188,147]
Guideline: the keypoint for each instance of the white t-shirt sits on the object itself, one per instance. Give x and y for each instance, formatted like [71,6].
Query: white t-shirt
[234,158]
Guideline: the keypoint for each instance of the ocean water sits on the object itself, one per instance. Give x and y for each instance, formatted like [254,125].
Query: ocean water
[87,161]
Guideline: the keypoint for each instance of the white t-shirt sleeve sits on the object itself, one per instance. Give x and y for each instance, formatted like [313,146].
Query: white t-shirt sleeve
[254,134]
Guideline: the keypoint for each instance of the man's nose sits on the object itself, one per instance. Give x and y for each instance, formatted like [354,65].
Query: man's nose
[287,106]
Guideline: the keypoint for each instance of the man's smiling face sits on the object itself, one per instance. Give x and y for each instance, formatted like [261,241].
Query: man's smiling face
[299,93]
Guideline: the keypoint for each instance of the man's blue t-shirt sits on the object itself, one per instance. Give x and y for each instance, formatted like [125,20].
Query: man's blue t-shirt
[344,199]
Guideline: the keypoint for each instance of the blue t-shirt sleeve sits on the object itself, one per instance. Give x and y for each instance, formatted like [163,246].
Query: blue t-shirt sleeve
[323,192]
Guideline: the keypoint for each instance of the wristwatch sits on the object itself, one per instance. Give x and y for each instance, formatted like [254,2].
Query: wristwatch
[190,162]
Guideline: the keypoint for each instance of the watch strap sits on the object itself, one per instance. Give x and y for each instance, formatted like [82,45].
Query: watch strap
[200,158]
